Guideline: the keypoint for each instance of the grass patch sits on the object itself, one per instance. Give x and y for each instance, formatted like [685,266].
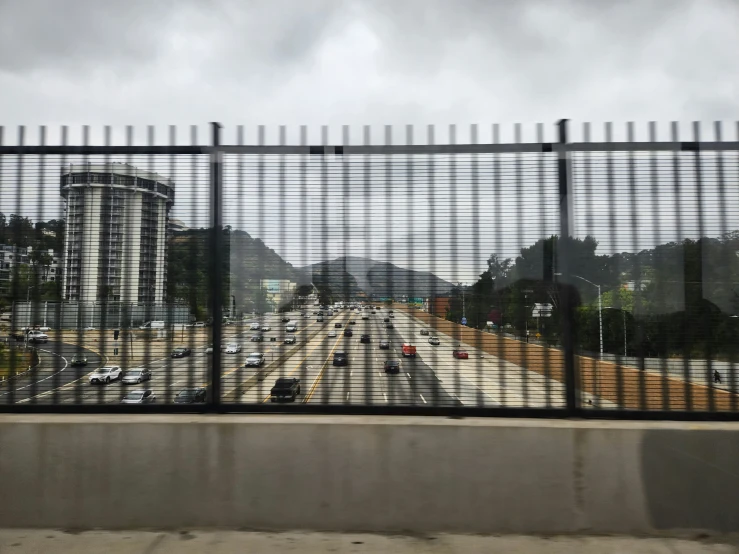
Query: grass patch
[13,358]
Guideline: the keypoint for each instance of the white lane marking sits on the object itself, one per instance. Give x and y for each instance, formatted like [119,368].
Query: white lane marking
[408,374]
[422,398]
[385,395]
[351,373]
[66,363]
[347,395]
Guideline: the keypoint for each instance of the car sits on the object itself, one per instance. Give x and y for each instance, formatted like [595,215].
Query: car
[199,324]
[88,328]
[319,319]
[386,320]
[384,345]
[392,316]
[291,328]
[389,326]
[434,340]
[290,339]
[37,336]
[255,359]
[255,326]
[286,388]
[364,339]
[373,312]
[337,325]
[424,331]
[392,366]
[348,332]
[352,322]
[209,349]
[285,319]
[139,397]
[106,374]
[257,338]
[266,328]
[77,360]
[191,396]
[460,354]
[233,348]
[180,352]
[136,375]
[365,316]
[340,358]
[303,314]
[332,334]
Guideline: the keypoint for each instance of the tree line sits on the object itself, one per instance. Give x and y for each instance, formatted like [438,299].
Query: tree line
[677,299]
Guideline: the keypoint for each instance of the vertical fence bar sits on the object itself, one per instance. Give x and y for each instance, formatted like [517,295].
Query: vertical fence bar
[542,233]
[216,262]
[703,245]
[568,319]
[658,262]
[677,191]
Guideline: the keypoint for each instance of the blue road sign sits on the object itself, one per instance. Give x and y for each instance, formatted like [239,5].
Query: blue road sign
[464,321]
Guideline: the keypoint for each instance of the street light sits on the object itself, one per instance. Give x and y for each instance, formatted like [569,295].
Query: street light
[624,315]
[600,311]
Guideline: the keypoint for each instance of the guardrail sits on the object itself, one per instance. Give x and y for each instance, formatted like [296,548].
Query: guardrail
[615,262]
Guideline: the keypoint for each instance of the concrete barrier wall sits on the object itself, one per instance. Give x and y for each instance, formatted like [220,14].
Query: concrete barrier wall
[367,474]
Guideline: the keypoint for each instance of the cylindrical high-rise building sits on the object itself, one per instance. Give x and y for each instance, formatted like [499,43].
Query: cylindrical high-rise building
[115,248]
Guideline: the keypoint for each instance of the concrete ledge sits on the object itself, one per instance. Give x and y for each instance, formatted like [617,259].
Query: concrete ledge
[381,474]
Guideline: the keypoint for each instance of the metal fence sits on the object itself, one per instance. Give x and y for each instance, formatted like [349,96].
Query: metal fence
[480,273]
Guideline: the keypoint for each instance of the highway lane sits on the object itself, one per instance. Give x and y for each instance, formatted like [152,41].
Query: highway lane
[169,375]
[54,372]
[305,363]
[364,380]
[509,384]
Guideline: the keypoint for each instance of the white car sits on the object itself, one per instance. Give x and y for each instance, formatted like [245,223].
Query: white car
[37,336]
[331,334]
[106,374]
[255,359]
[233,348]
[266,328]
[255,326]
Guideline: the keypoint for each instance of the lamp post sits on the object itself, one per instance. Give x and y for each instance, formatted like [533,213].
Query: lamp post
[623,312]
[600,310]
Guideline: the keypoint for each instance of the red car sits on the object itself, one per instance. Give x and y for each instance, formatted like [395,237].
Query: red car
[460,354]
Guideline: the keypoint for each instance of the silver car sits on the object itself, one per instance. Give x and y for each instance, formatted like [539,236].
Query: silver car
[136,375]
[139,397]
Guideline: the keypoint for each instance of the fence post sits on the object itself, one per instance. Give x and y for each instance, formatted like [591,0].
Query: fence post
[568,315]
[216,265]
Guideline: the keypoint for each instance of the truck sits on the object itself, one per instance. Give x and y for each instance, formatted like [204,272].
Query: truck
[286,388]
[153,325]
[409,351]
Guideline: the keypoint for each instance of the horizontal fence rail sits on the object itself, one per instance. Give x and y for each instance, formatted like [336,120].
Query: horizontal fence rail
[550,273]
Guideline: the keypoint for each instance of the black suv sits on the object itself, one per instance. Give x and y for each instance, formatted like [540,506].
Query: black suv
[365,339]
[348,332]
[384,344]
[180,352]
[340,358]
[392,366]
[190,396]
[424,331]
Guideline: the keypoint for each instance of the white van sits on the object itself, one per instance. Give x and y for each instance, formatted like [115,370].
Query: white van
[291,327]
[153,325]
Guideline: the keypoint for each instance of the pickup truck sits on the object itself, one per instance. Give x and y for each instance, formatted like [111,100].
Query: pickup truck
[409,350]
[286,388]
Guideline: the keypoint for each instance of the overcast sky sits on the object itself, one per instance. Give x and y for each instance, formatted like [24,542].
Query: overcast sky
[371,62]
